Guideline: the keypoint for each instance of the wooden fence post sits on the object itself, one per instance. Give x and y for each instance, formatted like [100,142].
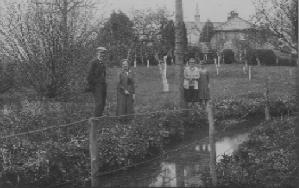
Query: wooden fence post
[212,144]
[267,108]
[93,150]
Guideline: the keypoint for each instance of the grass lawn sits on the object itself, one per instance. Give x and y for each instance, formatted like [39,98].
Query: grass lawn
[230,83]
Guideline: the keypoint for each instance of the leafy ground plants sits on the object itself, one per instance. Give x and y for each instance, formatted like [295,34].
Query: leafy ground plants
[62,156]
[267,159]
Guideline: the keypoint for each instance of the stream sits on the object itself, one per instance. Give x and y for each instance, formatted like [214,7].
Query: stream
[187,167]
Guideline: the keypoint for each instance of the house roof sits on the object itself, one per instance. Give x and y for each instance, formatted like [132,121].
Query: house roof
[235,23]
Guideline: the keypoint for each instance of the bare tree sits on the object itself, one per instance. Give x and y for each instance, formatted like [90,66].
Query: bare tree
[281,18]
[40,35]
[149,26]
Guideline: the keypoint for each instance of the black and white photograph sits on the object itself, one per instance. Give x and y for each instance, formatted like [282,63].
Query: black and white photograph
[149,93]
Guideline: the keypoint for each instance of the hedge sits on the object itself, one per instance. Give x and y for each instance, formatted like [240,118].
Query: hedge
[228,56]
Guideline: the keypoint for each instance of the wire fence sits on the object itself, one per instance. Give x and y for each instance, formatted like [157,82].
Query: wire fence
[89,119]
[68,143]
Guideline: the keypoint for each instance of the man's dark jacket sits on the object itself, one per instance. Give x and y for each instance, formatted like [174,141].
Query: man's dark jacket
[96,75]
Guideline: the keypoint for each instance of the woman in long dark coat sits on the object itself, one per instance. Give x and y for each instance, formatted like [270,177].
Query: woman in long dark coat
[125,90]
[203,84]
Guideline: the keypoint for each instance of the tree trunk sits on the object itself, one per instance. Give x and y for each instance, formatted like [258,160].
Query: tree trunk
[179,49]
[163,72]
[219,59]
[249,73]
[258,61]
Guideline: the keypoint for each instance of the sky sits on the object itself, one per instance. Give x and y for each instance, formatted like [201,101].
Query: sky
[215,10]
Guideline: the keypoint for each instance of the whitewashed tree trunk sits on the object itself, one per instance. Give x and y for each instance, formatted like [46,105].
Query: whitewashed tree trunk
[163,72]
[258,61]
[244,69]
[290,72]
[219,59]
[249,73]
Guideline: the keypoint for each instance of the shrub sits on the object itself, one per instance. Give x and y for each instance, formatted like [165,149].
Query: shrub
[61,155]
[287,62]
[267,159]
[7,77]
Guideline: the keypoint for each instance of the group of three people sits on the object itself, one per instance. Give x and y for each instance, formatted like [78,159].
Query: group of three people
[196,83]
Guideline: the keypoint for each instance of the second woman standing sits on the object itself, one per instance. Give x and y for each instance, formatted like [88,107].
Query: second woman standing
[125,90]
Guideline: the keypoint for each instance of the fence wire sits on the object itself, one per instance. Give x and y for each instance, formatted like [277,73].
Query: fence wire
[60,148]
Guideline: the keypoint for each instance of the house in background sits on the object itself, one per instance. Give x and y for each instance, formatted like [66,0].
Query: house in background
[195,27]
[227,35]
[235,35]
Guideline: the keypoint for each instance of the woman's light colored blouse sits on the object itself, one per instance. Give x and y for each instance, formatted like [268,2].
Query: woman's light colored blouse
[191,76]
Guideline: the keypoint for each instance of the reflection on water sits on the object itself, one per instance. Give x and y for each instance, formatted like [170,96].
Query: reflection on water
[229,144]
[188,167]
[167,177]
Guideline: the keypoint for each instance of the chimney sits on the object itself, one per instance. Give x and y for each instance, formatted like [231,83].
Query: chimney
[232,14]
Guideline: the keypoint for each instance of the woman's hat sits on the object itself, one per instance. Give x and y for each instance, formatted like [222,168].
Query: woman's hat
[192,60]
[123,61]
[101,49]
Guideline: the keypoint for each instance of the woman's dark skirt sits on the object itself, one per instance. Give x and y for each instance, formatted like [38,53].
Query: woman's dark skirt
[191,94]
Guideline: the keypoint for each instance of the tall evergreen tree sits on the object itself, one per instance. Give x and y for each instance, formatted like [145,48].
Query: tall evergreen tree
[118,36]
[207,32]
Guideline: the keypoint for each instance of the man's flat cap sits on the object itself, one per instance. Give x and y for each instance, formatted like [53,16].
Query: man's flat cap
[102,49]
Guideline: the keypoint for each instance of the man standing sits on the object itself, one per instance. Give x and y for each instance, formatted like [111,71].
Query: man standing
[97,81]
